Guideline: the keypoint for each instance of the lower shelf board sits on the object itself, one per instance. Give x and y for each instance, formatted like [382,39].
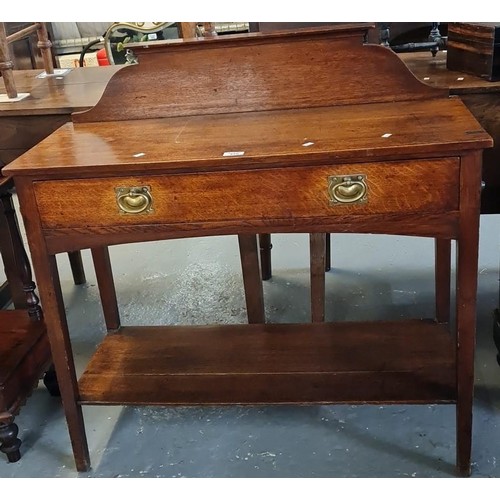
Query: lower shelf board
[410,361]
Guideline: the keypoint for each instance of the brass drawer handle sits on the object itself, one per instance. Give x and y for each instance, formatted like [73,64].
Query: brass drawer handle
[347,189]
[134,200]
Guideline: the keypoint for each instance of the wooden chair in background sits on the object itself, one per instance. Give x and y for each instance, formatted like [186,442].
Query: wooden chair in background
[24,347]
[7,66]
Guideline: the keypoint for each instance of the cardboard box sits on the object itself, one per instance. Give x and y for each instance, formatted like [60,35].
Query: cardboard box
[72,60]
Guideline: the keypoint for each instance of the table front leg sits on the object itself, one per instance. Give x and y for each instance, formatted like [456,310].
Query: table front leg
[62,355]
[467,268]
[45,267]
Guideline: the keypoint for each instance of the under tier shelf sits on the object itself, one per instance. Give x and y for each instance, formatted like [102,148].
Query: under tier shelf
[380,362]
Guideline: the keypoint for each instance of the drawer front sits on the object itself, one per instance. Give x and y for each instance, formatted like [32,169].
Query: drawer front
[418,186]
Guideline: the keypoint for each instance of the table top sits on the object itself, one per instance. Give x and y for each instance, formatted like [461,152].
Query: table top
[78,90]
[239,101]
[236,140]
[433,71]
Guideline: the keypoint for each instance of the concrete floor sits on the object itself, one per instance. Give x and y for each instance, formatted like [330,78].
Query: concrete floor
[198,281]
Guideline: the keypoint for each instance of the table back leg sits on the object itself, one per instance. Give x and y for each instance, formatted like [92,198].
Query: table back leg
[105,282]
[252,281]
[442,279]
[317,243]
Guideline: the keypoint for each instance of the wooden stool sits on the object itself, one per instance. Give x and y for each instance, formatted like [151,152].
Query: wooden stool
[24,347]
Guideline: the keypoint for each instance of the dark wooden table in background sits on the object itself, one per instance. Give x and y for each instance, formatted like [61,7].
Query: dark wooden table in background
[25,123]
[483,100]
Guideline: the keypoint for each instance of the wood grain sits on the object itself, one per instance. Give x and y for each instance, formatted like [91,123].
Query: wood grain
[251,364]
[45,267]
[258,64]
[338,133]
[297,192]
[427,225]
[467,271]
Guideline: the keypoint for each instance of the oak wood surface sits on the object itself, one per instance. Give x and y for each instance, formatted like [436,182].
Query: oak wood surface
[45,266]
[427,225]
[338,133]
[258,64]
[392,187]
[467,272]
[277,363]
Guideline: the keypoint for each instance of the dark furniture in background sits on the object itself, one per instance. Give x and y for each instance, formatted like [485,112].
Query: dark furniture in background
[50,104]
[24,346]
[475,48]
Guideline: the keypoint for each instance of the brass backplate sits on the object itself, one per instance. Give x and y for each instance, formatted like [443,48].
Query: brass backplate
[347,189]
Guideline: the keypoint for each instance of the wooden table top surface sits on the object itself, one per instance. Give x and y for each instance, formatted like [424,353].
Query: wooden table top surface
[424,66]
[332,134]
[80,89]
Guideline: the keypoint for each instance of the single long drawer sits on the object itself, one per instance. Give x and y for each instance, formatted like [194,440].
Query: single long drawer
[425,186]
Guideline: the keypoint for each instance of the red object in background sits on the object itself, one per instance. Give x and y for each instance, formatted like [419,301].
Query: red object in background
[102,59]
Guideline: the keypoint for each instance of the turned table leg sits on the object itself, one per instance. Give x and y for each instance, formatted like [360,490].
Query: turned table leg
[9,442]
[265,247]
[51,383]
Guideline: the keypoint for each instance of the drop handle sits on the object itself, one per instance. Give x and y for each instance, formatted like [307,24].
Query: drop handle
[347,189]
[350,191]
[134,200]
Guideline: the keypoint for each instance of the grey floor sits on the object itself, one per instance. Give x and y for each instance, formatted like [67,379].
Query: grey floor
[198,281]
